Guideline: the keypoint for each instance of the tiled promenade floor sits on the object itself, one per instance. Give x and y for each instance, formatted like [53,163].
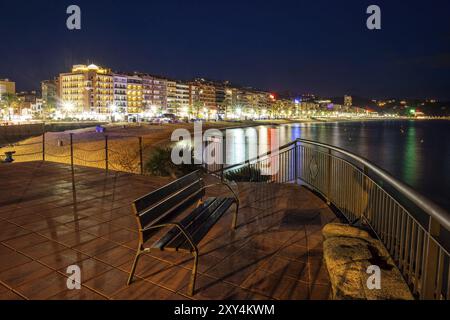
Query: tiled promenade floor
[50,219]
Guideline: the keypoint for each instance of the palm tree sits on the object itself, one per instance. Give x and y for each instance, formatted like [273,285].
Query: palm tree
[8,101]
[196,108]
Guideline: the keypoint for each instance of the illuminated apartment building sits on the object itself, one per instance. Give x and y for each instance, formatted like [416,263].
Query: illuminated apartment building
[103,94]
[178,98]
[87,89]
[171,92]
[183,95]
[120,93]
[7,86]
[135,95]
[49,89]
[26,99]
[154,90]
[246,102]
[203,98]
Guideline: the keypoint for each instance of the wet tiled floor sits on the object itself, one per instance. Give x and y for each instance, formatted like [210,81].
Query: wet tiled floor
[51,219]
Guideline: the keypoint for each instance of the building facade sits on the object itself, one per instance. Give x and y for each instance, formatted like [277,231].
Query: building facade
[7,86]
[203,99]
[154,91]
[87,89]
[120,82]
[135,95]
[95,90]
[49,90]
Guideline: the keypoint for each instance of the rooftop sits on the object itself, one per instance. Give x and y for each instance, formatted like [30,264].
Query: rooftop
[50,219]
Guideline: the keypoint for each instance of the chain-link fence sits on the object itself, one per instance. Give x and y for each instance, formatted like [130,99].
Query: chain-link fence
[82,149]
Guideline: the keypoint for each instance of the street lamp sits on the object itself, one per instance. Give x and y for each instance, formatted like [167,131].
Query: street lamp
[68,107]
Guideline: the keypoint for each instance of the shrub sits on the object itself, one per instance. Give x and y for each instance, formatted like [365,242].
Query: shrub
[246,174]
[160,164]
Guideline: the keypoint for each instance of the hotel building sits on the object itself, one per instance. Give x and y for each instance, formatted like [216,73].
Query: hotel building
[87,89]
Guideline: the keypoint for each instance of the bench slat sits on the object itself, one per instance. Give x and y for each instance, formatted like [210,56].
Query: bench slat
[199,227]
[174,232]
[156,196]
[158,212]
[171,215]
[201,232]
[192,228]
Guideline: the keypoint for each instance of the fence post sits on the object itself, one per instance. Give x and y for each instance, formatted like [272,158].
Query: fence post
[71,150]
[43,146]
[141,162]
[296,162]
[329,178]
[431,262]
[106,153]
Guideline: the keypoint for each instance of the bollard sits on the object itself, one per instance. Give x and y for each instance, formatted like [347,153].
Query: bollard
[71,150]
[141,162]
[106,153]
[9,156]
[43,146]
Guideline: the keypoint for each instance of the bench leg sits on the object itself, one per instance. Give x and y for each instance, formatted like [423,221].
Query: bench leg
[235,216]
[191,286]
[133,268]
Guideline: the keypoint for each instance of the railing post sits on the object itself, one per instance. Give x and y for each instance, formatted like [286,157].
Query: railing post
[223,158]
[106,153]
[296,161]
[431,262]
[71,150]
[329,177]
[141,162]
[43,146]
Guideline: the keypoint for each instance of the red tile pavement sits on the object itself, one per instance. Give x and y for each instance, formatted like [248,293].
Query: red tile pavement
[51,219]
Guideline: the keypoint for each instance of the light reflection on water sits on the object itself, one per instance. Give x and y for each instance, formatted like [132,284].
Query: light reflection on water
[416,152]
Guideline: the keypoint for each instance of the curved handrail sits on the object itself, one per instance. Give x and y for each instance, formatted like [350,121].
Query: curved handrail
[435,211]
[439,214]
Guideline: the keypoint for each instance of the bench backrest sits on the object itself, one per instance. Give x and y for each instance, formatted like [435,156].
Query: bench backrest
[164,204]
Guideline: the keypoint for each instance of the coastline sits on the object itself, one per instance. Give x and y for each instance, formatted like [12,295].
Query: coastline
[127,141]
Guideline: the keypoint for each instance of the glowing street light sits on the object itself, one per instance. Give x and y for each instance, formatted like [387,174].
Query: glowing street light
[113,108]
[68,106]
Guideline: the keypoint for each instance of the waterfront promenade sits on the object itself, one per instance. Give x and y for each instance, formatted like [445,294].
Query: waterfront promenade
[51,218]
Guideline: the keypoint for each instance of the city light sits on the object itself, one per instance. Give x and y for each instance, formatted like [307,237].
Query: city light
[68,106]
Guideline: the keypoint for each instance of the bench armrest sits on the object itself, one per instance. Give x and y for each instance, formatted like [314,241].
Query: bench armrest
[226,185]
[177,225]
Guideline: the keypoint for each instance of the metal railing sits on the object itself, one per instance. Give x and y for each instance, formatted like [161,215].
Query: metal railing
[415,231]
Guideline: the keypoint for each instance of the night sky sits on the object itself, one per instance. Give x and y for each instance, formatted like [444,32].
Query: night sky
[319,46]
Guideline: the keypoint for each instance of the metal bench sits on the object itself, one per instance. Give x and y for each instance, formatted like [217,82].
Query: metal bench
[161,208]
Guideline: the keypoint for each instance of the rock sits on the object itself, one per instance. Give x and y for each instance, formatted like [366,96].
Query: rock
[341,250]
[347,258]
[343,230]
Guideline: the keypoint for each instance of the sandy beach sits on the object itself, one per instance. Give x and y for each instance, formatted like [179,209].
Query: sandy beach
[123,143]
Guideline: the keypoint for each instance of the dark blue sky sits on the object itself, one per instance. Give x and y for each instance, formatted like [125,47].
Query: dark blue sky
[316,46]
